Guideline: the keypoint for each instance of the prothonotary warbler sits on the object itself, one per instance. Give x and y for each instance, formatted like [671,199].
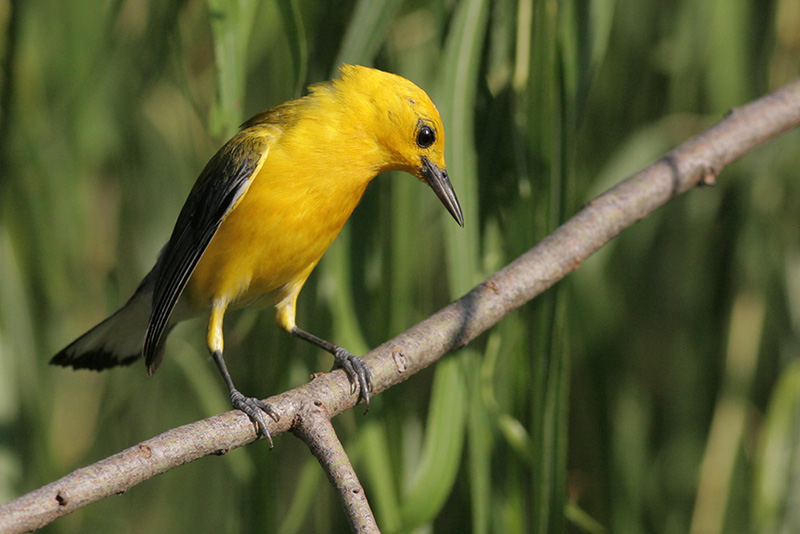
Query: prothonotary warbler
[263,212]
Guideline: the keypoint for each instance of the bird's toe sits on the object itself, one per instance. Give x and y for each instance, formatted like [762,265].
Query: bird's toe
[357,371]
[255,410]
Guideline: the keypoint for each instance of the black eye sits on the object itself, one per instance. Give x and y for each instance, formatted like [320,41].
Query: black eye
[425,136]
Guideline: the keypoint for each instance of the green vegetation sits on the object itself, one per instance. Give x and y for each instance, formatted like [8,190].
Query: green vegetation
[654,390]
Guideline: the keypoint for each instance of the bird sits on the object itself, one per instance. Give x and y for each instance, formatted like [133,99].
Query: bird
[263,212]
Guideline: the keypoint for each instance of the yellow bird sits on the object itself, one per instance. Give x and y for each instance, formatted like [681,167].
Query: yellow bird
[264,211]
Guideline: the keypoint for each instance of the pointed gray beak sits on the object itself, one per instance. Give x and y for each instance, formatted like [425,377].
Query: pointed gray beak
[440,183]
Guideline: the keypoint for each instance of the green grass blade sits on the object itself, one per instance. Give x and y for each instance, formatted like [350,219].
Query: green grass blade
[777,467]
[304,498]
[441,454]
[456,94]
[296,35]
[480,439]
[366,31]
[231,26]
[379,473]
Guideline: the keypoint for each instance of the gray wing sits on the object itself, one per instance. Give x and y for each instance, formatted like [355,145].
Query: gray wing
[224,180]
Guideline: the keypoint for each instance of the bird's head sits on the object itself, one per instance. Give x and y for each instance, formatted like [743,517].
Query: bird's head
[405,124]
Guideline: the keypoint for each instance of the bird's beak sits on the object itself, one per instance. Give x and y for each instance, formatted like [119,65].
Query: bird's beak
[440,183]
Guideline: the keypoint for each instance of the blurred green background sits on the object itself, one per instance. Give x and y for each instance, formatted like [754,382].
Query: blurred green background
[657,389]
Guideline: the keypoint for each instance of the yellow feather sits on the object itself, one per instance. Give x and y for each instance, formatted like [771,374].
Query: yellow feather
[328,146]
[264,211]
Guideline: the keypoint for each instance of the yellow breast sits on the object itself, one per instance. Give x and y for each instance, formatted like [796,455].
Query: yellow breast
[287,219]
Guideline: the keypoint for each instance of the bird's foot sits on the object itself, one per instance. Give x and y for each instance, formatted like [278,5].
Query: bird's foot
[357,371]
[255,410]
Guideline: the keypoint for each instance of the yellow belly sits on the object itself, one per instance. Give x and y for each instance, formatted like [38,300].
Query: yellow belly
[274,237]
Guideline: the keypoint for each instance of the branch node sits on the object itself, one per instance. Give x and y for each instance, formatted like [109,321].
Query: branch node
[400,360]
[709,175]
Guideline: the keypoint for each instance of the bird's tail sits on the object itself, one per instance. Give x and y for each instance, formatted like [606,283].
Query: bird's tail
[118,340]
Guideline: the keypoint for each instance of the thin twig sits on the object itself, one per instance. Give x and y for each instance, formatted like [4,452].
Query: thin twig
[698,161]
[315,429]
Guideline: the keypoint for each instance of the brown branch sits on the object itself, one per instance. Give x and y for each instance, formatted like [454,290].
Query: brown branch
[315,429]
[698,161]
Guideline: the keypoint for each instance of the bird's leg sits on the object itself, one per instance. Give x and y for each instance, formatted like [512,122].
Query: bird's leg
[357,371]
[253,407]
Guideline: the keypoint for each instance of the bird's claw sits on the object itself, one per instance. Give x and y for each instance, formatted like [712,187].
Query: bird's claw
[357,372]
[255,410]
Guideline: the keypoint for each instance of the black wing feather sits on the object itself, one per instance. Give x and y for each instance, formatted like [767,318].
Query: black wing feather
[223,181]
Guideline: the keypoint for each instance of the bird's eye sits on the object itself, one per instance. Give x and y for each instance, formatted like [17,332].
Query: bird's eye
[425,136]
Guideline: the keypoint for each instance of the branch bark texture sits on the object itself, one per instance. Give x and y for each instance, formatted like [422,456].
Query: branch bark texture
[698,161]
[314,427]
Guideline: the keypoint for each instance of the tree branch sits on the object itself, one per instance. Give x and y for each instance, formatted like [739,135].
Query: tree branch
[698,161]
[315,429]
